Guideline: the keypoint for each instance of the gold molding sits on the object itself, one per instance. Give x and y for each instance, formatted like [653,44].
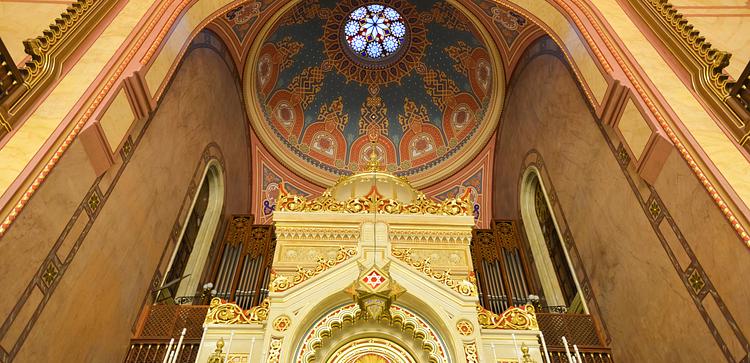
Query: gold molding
[281,283]
[704,63]
[515,318]
[221,312]
[463,287]
[51,50]
[373,203]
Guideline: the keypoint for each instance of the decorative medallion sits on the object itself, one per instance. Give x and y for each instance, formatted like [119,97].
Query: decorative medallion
[375,32]
[374,291]
[281,323]
[373,279]
[465,327]
[374,44]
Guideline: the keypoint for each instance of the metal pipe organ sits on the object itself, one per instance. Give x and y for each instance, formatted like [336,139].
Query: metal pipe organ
[500,266]
[244,262]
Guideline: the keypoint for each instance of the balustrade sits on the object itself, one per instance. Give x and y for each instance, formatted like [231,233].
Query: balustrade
[161,323]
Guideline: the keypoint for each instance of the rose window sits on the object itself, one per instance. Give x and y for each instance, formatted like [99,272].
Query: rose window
[374,31]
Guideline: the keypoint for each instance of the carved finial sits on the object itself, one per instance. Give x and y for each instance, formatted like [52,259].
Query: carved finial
[526,355]
[374,163]
[217,356]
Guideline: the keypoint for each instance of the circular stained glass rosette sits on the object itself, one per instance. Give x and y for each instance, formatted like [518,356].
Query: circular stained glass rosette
[375,31]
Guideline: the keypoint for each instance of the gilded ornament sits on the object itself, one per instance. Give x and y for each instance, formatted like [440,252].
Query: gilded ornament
[515,318]
[374,203]
[281,323]
[463,287]
[274,350]
[526,355]
[696,281]
[465,327]
[221,312]
[470,350]
[217,356]
[281,283]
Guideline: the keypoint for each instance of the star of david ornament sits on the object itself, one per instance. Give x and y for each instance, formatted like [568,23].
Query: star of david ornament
[374,291]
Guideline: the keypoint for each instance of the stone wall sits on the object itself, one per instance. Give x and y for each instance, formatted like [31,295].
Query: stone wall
[659,264]
[79,262]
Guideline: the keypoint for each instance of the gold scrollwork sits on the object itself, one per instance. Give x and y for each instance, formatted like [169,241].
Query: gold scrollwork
[221,312]
[282,283]
[374,203]
[515,318]
[463,287]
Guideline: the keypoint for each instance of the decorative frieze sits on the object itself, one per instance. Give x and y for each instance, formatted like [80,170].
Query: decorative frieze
[463,287]
[221,312]
[515,318]
[281,283]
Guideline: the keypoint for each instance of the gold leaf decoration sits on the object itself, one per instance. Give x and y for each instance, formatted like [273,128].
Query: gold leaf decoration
[463,287]
[515,318]
[282,283]
[222,312]
[374,203]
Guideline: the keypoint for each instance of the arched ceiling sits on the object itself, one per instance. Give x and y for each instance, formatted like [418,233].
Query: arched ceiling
[322,110]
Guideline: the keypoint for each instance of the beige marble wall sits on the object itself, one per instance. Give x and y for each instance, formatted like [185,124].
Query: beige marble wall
[650,313]
[90,314]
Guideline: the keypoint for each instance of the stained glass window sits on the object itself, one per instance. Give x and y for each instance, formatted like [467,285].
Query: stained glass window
[375,31]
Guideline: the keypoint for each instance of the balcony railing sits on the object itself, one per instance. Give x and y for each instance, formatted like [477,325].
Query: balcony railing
[578,329]
[598,355]
[161,323]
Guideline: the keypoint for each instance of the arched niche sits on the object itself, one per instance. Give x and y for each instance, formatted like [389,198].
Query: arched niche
[198,232]
[533,196]
[335,335]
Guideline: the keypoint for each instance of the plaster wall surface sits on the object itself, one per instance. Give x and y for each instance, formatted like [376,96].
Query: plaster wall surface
[90,314]
[650,313]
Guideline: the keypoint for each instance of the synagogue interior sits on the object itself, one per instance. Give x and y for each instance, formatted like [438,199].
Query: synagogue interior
[374,181]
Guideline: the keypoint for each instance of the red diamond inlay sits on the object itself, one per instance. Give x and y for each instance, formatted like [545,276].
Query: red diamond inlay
[373,279]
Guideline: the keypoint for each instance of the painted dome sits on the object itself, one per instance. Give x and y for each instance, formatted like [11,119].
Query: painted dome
[413,81]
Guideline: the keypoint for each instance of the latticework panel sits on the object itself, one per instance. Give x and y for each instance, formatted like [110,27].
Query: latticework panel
[578,329]
[167,321]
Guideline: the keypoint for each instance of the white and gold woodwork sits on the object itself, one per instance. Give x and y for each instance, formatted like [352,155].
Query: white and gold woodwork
[371,271]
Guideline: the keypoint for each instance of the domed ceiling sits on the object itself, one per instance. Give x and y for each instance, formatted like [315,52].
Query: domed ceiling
[413,81]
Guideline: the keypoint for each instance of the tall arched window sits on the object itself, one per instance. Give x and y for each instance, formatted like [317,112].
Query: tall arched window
[189,259]
[559,284]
